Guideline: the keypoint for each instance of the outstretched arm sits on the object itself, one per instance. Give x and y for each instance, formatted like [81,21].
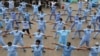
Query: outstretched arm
[48,48]
[53,31]
[81,30]
[96,30]
[25,47]
[45,36]
[86,48]
[79,48]
[58,44]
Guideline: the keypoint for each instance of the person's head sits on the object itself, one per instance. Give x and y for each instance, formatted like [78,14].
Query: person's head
[80,18]
[89,26]
[42,12]
[77,14]
[68,43]
[9,43]
[7,17]
[94,13]
[24,19]
[20,5]
[54,5]
[41,19]
[86,7]
[58,11]
[13,10]
[36,3]
[89,0]
[23,1]
[38,30]
[16,28]
[61,19]
[80,0]
[70,7]
[26,10]
[38,42]
[33,3]
[97,44]
[64,28]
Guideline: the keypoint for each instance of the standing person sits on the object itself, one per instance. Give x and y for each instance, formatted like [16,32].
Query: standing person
[58,26]
[93,20]
[90,6]
[4,12]
[98,14]
[58,17]
[27,16]
[69,11]
[47,3]
[23,4]
[66,6]
[1,15]
[78,25]
[1,38]
[1,24]
[41,14]
[95,50]
[40,7]
[76,18]
[86,13]
[37,48]
[53,11]
[41,24]
[39,35]
[20,10]
[67,48]
[1,3]
[52,3]
[80,6]
[13,15]
[25,25]
[35,7]
[87,36]
[17,37]
[95,36]
[11,49]
[63,36]
[11,4]
[9,23]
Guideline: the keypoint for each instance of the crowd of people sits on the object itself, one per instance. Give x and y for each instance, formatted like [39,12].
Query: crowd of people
[12,17]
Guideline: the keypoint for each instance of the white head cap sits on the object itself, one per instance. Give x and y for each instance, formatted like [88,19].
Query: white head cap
[97,43]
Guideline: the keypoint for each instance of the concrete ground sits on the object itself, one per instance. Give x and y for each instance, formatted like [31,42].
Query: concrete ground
[49,40]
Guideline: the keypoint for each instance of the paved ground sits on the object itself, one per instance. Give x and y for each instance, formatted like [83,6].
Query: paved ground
[49,40]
